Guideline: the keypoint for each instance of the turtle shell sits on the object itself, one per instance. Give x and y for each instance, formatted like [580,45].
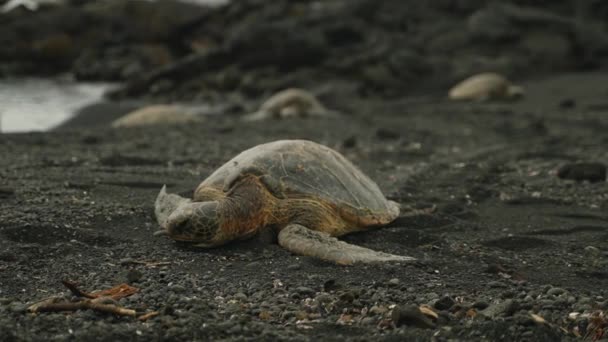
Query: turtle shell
[306,169]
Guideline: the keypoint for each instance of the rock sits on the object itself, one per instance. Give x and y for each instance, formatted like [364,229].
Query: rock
[133,276]
[387,134]
[591,171]
[155,115]
[281,45]
[556,291]
[350,142]
[306,291]
[549,49]
[393,282]
[567,103]
[6,192]
[492,23]
[294,267]
[506,308]
[480,305]
[411,316]
[444,303]
[240,296]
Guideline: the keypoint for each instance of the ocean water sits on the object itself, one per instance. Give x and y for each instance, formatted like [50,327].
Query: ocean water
[38,104]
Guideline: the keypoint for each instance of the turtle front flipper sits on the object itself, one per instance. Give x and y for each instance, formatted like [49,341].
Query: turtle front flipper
[303,241]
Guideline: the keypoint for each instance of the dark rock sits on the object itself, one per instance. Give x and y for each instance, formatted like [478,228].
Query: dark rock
[480,305]
[306,291]
[387,134]
[350,142]
[331,285]
[134,276]
[505,308]
[411,316]
[6,192]
[444,303]
[567,103]
[593,172]
[548,48]
[492,23]
[283,46]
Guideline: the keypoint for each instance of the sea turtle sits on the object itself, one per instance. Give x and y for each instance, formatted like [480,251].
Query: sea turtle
[291,102]
[155,115]
[485,86]
[305,191]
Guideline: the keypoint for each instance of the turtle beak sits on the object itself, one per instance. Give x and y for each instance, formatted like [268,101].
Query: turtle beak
[166,204]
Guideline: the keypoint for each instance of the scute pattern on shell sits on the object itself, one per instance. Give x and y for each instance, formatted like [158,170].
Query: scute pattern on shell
[310,170]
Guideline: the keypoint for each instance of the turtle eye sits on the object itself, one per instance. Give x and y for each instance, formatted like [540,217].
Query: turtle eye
[181,229]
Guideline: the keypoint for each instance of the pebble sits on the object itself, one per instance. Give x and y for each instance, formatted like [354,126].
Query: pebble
[350,142]
[393,282]
[307,291]
[592,172]
[17,307]
[294,267]
[556,291]
[496,284]
[367,321]
[6,192]
[240,296]
[387,134]
[133,276]
[444,303]
[480,305]
[411,316]
[505,308]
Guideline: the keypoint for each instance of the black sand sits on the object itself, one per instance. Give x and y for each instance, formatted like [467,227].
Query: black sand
[509,239]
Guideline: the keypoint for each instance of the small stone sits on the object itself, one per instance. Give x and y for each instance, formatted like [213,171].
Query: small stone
[444,303]
[378,310]
[294,267]
[367,321]
[496,284]
[17,307]
[567,103]
[594,251]
[6,192]
[350,142]
[387,134]
[592,172]
[240,296]
[506,308]
[480,305]
[556,291]
[411,316]
[133,276]
[393,282]
[306,291]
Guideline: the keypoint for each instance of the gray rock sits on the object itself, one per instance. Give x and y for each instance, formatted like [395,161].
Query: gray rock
[505,308]
[444,303]
[556,291]
[306,291]
[410,315]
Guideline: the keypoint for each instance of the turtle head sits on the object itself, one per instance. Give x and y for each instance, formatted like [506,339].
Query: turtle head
[196,222]
[184,220]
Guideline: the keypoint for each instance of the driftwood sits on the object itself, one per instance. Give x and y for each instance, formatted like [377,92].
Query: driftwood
[101,301]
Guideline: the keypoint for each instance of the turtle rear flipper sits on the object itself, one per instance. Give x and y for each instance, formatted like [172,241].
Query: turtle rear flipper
[303,241]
